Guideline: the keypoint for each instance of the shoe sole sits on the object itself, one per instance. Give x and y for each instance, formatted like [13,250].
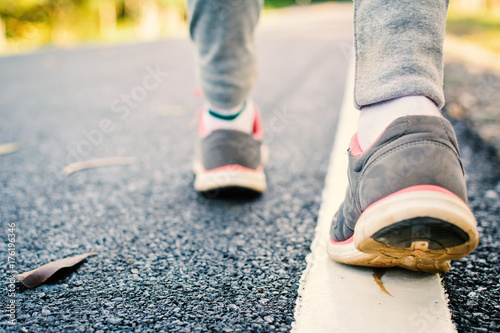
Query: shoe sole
[231,176]
[420,228]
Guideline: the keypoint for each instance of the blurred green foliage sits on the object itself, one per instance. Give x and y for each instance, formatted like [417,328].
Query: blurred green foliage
[26,24]
[271,4]
[479,25]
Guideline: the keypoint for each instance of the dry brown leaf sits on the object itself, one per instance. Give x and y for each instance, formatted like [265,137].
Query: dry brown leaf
[39,275]
[10,147]
[99,162]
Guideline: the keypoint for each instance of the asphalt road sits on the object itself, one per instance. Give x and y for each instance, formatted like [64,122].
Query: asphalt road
[168,258]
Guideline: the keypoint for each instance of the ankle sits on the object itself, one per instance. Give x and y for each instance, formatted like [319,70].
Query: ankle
[374,119]
[226,113]
[240,118]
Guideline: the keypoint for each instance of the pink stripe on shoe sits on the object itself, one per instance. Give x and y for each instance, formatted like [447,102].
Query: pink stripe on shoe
[354,146]
[258,129]
[234,167]
[347,241]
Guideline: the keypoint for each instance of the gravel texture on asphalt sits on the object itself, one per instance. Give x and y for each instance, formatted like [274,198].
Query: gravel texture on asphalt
[168,258]
[472,96]
[473,283]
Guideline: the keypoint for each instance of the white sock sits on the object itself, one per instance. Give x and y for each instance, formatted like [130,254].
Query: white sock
[244,121]
[374,119]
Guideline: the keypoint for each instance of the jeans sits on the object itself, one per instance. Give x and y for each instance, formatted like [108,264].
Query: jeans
[398,46]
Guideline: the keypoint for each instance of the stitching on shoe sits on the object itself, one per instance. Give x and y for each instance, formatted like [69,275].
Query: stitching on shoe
[441,122]
[454,142]
[405,145]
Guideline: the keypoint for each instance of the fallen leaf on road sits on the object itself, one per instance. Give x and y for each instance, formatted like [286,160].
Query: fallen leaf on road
[100,162]
[10,147]
[39,275]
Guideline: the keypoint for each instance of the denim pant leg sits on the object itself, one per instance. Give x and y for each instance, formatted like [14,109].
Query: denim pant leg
[399,49]
[223,31]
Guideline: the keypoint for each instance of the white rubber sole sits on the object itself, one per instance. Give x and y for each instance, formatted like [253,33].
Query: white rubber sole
[364,250]
[229,176]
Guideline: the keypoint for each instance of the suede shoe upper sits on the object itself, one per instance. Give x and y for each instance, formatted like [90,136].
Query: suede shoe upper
[413,150]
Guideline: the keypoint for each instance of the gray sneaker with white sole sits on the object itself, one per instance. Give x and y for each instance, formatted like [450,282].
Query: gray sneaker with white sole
[406,200]
[230,159]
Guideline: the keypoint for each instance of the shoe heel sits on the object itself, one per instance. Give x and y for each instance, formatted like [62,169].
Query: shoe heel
[423,226]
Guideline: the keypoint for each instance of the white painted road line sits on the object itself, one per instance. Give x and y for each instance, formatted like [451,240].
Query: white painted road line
[339,298]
